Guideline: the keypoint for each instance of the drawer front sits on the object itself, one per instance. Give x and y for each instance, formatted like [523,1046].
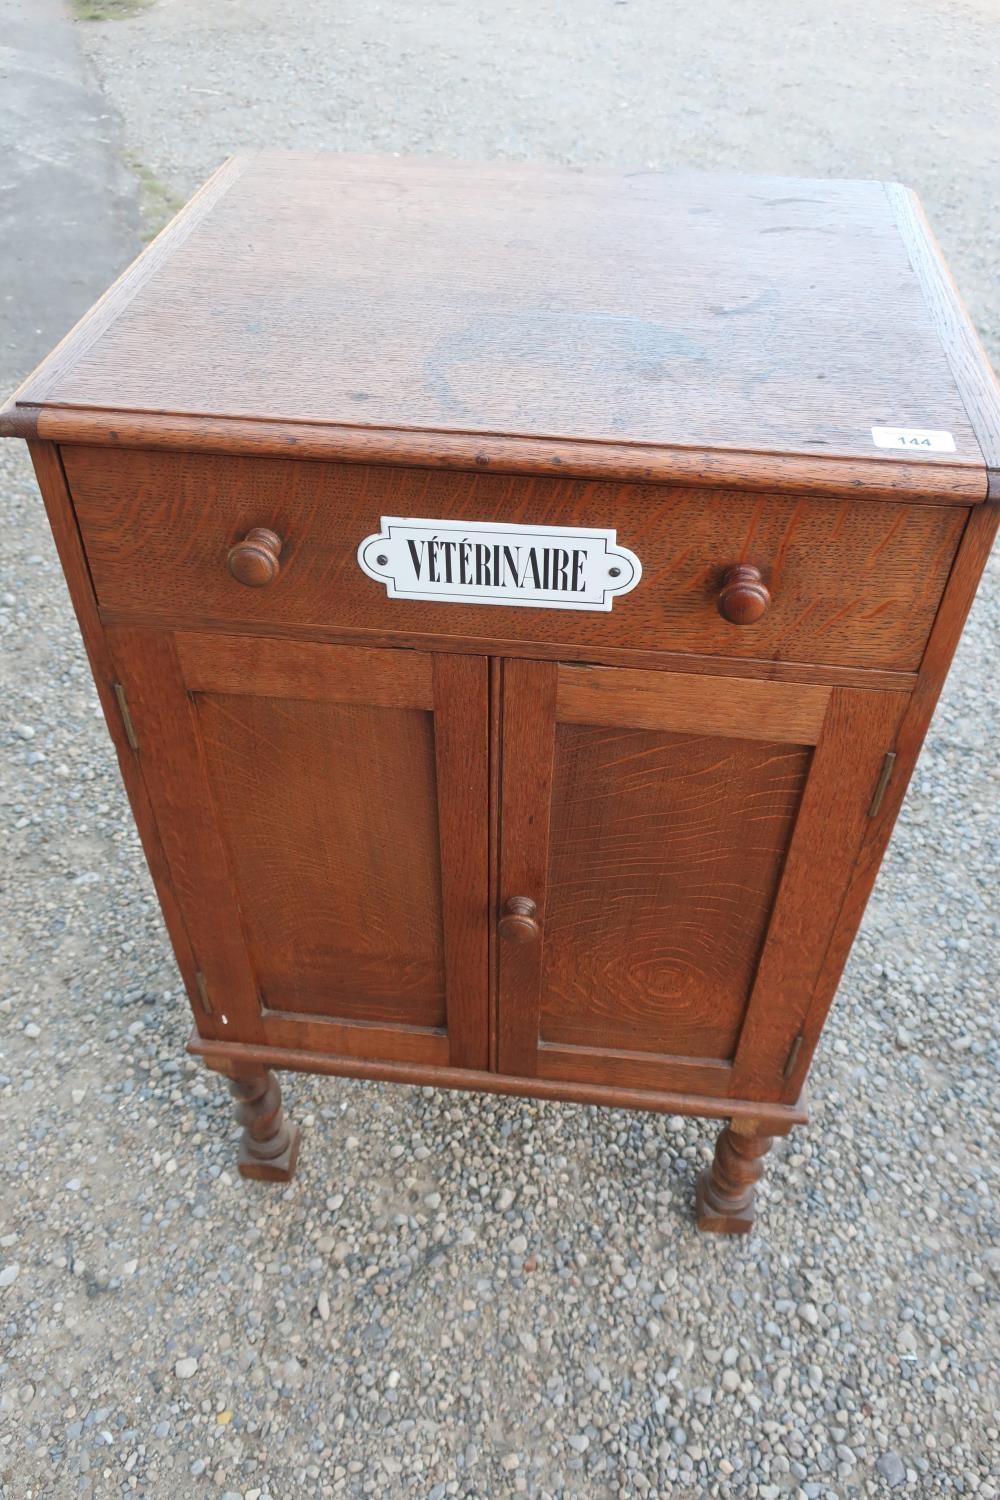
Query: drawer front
[851,583]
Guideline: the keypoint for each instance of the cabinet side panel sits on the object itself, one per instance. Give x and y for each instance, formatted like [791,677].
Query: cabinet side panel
[174,769]
[48,467]
[973,555]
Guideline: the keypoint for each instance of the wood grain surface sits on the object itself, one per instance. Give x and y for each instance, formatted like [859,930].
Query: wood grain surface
[860,728]
[692,705]
[174,772]
[327,835]
[653,857]
[688,850]
[527,743]
[972,558]
[304,670]
[227,1056]
[678,312]
[851,582]
[893,479]
[462,749]
[338,879]
[665,852]
[55,494]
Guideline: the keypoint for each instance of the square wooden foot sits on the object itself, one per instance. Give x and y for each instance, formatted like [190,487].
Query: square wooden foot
[279,1168]
[712,1220]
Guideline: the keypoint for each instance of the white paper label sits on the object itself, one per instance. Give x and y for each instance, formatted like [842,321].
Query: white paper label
[914,439]
[481,562]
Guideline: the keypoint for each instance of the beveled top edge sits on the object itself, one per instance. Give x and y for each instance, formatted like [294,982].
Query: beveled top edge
[974,377]
[888,477]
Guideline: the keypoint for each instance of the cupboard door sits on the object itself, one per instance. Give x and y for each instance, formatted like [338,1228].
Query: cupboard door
[323,810]
[684,843]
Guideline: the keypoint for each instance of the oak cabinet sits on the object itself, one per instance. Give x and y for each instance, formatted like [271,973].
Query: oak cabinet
[518,599]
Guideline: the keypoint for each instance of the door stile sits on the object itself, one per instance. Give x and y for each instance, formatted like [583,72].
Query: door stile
[496,761]
[860,726]
[176,777]
[461,740]
[529,724]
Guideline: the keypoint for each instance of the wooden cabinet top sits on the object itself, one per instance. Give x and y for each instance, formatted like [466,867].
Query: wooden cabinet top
[723,329]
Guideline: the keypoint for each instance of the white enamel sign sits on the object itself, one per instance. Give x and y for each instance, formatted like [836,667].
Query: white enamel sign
[479,562]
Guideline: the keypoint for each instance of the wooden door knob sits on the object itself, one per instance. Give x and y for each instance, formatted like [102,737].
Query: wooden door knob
[743,597]
[518,924]
[254,561]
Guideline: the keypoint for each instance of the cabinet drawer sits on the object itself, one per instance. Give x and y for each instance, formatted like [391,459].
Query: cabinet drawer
[852,583]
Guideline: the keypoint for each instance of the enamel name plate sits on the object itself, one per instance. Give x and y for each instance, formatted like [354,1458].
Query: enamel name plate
[477,562]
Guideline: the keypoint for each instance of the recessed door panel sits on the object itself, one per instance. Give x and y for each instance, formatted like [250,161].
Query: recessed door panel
[324,811]
[338,875]
[665,852]
[682,844]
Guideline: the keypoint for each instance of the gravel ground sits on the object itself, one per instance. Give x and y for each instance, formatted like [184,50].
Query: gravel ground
[472,1296]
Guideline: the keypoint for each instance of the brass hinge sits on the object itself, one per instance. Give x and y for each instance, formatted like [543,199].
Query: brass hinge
[793,1056]
[206,1003]
[884,777]
[126,716]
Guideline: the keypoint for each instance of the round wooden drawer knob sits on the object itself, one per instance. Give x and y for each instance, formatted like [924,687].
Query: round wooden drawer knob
[743,597]
[254,562]
[518,923]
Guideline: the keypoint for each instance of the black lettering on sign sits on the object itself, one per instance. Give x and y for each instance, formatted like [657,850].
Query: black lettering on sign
[494,566]
[416,548]
[559,568]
